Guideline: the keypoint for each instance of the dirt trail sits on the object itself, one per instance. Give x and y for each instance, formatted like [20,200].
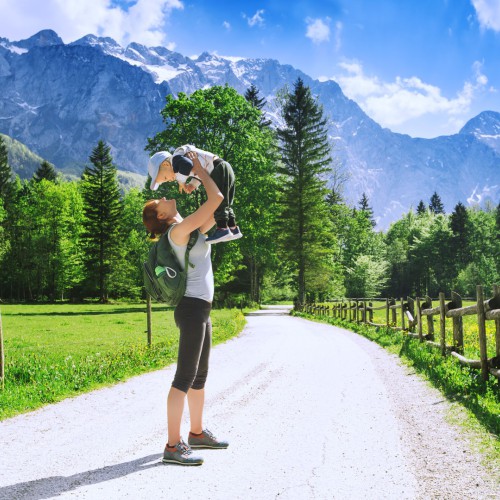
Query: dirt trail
[311,412]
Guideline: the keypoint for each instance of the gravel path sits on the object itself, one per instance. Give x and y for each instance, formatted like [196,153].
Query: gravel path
[312,412]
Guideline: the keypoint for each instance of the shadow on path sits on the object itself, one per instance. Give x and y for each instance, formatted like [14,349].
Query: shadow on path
[54,486]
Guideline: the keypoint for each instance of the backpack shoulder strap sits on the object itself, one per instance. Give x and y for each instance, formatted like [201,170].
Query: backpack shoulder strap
[193,238]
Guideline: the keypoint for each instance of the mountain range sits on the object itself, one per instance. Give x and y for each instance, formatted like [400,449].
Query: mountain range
[60,99]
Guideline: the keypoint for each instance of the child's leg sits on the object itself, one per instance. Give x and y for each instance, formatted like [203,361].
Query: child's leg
[223,176]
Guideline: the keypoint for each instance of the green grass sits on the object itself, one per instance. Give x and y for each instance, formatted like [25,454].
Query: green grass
[60,350]
[459,384]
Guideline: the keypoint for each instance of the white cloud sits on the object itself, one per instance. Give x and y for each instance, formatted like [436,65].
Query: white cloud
[318,30]
[143,21]
[256,19]
[395,103]
[226,25]
[488,13]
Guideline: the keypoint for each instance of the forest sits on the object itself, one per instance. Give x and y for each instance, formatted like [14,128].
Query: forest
[77,240]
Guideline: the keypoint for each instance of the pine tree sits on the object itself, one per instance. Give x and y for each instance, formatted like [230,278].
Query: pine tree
[498,220]
[305,227]
[252,96]
[5,171]
[45,171]
[421,208]
[103,213]
[364,206]
[436,205]
[459,220]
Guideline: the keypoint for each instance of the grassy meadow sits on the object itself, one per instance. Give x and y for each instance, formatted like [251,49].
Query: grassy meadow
[59,350]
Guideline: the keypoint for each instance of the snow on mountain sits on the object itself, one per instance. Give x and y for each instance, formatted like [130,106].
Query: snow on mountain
[60,99]
[486,128]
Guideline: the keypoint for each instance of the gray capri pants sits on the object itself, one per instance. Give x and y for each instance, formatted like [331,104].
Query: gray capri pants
[192,316]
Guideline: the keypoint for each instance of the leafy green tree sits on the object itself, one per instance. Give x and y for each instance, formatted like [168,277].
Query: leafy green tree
[252,96]
[367,278]
[5,172]
[398,239]
[45,171]
[103,211]
[304,223]
[220,120]
[483,271]
[497,220]
[436,205]
[126,275]
[421,208]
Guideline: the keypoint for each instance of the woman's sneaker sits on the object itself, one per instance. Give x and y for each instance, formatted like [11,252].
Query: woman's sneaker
[180,454]
[206,440]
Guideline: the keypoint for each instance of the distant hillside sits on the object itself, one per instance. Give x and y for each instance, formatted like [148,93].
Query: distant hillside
[21,159]
[25,163]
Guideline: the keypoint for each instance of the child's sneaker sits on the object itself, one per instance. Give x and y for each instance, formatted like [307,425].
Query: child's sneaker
[235,231]
[220,235]
[180,454]
[206,440]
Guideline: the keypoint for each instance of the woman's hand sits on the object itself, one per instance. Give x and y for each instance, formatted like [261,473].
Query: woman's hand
[193,156]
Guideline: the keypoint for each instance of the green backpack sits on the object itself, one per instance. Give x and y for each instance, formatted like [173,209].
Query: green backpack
[164,278]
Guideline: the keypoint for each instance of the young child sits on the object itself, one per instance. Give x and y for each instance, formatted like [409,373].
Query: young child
[165,167]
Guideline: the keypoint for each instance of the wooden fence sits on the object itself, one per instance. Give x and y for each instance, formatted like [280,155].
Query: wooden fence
[412,313]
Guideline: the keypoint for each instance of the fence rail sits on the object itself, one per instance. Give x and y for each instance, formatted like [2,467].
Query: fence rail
[412,313]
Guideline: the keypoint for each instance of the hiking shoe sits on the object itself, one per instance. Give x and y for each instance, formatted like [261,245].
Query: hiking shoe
[220,235]
[206,440]
[182,455]
[237,234]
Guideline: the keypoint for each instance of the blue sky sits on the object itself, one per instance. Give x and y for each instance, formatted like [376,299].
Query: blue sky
[422,67]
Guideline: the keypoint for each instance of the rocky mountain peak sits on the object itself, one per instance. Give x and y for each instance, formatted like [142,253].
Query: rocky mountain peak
[43,38]
[485,123]
[106,43]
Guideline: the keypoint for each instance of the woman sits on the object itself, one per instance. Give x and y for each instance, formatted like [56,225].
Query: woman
[192,316]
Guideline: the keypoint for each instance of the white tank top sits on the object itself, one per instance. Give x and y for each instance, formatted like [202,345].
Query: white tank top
[200,278]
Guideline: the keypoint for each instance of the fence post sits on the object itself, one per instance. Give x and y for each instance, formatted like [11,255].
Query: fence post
[370,311]
[387,313]
[458,329]
[496,292]
[364,311]
[356,304]
[402,314]
[149,319]
[481,324]
[442,322]
[430,319]
[419,319]
[2,355]
[394,314]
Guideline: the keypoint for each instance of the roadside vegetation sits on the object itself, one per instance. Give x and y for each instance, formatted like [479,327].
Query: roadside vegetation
[61,350]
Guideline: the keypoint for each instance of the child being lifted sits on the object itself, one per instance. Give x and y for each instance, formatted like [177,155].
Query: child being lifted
[164,167]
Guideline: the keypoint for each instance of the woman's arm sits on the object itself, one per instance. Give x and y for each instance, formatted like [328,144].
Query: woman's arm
[209,224]
[204,215]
